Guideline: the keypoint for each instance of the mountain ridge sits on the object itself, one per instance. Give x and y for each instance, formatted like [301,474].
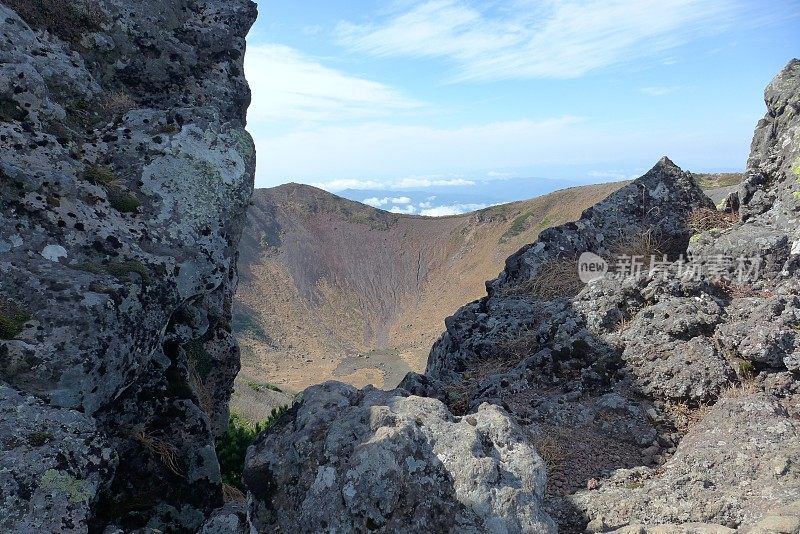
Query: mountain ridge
[356,293]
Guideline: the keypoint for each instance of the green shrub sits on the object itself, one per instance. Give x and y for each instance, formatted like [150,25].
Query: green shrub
[123,270]
[12,319]
[100,175]
[37,439]
[518,226]
[122,200]
[747,369]
[260,387]
[199,358]
[232,446]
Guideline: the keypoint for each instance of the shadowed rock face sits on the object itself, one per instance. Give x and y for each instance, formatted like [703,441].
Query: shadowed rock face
[125,173]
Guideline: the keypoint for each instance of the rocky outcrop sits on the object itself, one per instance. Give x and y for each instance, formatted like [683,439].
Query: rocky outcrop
[737,463]
[345,460]
[661,399]
[124,179]
[713,311]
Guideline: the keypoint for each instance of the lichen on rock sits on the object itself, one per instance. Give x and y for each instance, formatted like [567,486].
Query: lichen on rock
[123,198]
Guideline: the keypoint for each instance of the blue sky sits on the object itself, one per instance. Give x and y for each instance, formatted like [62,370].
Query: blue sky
[410,95]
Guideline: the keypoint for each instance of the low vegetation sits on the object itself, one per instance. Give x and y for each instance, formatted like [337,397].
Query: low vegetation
[123,200]
[518,225]
[232,446]
[119,196]
[556,278]
[261,387]
[124,269]
[705,219]
[12,319]
[718,179]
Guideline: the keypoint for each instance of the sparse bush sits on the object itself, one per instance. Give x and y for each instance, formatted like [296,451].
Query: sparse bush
[647,245]
[260,387]
[705,219]
[38,439]
[518,225]
[123,271]
[738,291]
[100,175]
[119,196]
[747,369]
[556,278]
[232,446]
[12,319]
[169,129]
[123,200]
[117,103]
[199,358]
[164,451]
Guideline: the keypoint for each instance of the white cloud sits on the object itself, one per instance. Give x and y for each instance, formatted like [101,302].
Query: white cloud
[534,39]
[407,210]
[454,209]
[658,90]
[376,202]
[291,86]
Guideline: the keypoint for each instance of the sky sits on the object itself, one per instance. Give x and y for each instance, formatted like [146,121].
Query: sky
[440,103]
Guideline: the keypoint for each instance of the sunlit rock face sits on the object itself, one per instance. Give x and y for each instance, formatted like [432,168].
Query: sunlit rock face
[125,173]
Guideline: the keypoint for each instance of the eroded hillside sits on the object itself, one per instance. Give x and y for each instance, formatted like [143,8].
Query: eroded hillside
[332,288]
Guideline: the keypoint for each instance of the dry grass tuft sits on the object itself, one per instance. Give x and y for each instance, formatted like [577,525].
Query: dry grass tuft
[744,388]
[647,245]
[550,450]
[117,103]
[684,416]
[166,452]
[201,391]
[556,278]
[704,219]
[738,291]
[232,494]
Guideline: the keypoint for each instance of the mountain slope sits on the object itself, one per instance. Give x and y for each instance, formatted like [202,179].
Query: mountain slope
[334,288]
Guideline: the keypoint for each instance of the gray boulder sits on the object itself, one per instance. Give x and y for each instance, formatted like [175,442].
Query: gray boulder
[735,465]
[344,460]
[53,465]
[125,173]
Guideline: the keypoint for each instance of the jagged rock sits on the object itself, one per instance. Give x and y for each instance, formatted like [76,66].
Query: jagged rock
[659,201]
[53,464]
[231,519]
[122,197]
[359,461]
[669,353]
[662,342]
[740,461]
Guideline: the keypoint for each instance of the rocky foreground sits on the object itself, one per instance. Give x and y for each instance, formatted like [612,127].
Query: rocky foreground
[125,172]
[663,399]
